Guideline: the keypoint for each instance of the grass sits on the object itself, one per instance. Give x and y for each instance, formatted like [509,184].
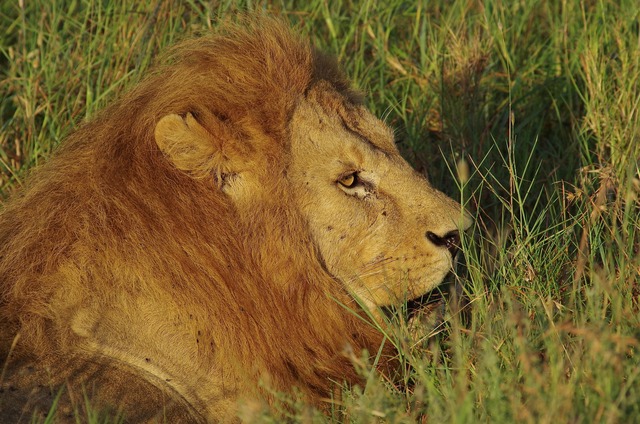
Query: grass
[527,111]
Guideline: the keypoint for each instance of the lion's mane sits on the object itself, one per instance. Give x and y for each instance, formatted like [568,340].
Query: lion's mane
[108,221]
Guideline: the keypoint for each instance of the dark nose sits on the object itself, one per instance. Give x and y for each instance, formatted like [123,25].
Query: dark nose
[451,241]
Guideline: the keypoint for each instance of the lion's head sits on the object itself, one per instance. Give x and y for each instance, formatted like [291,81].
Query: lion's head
[214,227]
[378,225]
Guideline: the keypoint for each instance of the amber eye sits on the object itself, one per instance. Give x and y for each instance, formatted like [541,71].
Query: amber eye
[349,180]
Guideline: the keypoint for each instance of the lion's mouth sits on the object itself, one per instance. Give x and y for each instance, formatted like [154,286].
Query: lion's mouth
[427,301]
[431,300]
[424,303]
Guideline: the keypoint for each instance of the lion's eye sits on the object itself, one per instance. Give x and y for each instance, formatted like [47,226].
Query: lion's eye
[349,180]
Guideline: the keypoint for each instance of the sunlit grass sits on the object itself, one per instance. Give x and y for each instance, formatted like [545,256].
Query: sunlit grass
[538,99]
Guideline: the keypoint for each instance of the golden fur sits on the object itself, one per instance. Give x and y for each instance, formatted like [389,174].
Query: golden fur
[201,235]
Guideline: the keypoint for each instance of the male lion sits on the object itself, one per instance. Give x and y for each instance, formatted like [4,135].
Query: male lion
[213,229]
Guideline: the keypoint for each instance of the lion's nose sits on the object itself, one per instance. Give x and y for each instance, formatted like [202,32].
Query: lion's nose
[451,241]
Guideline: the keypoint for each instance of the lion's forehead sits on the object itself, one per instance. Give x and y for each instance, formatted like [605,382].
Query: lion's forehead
[323,106]
[363,124]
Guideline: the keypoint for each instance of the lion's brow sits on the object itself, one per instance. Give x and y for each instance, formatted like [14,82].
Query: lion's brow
[353,130]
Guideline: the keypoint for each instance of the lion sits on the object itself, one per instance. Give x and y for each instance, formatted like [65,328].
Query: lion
[226,230]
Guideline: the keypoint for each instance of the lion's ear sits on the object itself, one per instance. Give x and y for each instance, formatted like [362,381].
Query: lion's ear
[188,145]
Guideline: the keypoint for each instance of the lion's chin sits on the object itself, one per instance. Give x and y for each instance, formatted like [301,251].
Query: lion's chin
[424,303]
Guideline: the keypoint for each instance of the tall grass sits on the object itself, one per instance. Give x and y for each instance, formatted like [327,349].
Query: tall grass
[535,104]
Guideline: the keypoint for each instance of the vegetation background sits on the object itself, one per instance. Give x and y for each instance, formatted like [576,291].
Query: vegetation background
[526,110]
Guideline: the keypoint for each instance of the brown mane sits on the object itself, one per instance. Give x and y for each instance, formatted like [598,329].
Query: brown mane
[108,215]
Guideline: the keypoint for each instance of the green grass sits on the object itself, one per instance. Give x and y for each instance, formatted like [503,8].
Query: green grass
[539,100]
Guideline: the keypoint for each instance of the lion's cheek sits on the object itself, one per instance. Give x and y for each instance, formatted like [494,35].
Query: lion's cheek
[247,190]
